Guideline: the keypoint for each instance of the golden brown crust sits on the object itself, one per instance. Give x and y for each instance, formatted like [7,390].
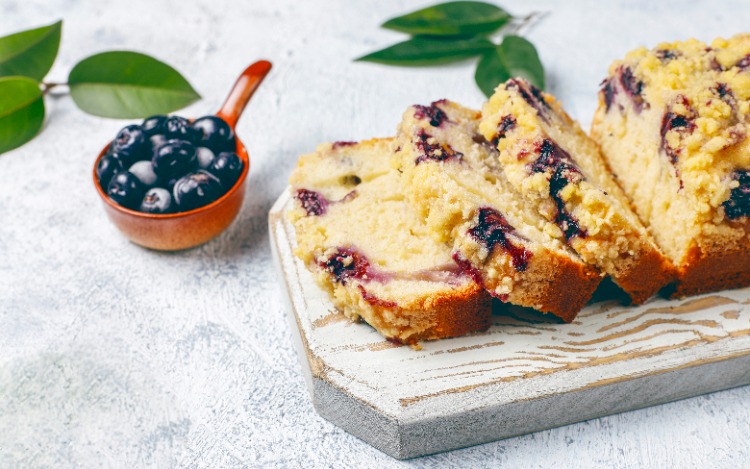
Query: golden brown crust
[710,268]
[462,311]
[455,316]
[607,234]
[559,286]
[650,272]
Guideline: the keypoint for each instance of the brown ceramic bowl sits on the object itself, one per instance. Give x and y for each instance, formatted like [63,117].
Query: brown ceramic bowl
[183,230]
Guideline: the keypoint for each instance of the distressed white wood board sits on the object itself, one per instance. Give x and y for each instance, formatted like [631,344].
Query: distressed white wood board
[525,374]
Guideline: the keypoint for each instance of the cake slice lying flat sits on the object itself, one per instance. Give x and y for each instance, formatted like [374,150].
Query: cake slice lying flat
[672,123]
[459,188]
[363,242]
[561,173]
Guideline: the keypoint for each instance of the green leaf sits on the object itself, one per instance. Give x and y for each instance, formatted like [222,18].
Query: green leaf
[514,57]
[451,19]
[30,53]
[21,111]
[127,85]
[429,51]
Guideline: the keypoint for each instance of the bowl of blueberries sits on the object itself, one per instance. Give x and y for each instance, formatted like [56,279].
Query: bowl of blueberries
[171,183]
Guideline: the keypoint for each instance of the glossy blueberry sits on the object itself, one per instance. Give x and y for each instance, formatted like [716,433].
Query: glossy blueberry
[108,166]
[214,133]
[205,157]
[157,200]
[196,190]
[227,167]
[126,190]
[131,144]
[154,125]
[156,141]
[174,158]
[176,127]
[144,171]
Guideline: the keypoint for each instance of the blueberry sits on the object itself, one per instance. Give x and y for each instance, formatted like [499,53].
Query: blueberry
[196,190]
[167,183]
[144,171]
[227,167]
[205,157]
[126,190]
[157,200]
[156,141]
[131,144]
[174,158]
[154,125]
[213,132]
[108,166]
[179,128]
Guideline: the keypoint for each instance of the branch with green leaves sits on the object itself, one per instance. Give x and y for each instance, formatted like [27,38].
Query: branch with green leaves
[117,84]
[454,31]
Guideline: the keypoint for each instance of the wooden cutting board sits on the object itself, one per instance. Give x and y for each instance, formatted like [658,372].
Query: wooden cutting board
[528,372]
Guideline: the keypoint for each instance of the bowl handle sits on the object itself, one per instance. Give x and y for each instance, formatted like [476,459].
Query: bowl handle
[242,91]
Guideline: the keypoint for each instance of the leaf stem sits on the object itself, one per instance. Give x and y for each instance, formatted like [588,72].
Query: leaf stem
[49,86]
[519,26]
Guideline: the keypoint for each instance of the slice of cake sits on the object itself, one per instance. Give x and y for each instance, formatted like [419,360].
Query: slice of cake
[458,186]
[364,243]
[561,173]
[672,123]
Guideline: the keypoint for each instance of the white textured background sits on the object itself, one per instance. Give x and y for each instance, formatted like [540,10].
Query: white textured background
[115,356]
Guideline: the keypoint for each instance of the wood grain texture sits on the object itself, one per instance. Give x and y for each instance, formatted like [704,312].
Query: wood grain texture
[528,372]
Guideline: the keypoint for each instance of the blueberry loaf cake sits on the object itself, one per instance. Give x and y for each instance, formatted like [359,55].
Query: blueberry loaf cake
[561,174]
[364,243]
[672,123]
[458,186]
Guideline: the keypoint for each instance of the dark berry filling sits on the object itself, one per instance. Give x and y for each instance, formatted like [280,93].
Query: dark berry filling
[345,264]
[608,90]
[562,171]
[632,87]
[342,144]
[431,112]
[506,123]
[681,123]
[493,229]
[666,55]
[744,62]
[724,91]
[374,300]
[434,151]
[474,273]
[738,204]
[348,263]
[313,202]
[468,268]
[531,94]
[564,219]
[480,140]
